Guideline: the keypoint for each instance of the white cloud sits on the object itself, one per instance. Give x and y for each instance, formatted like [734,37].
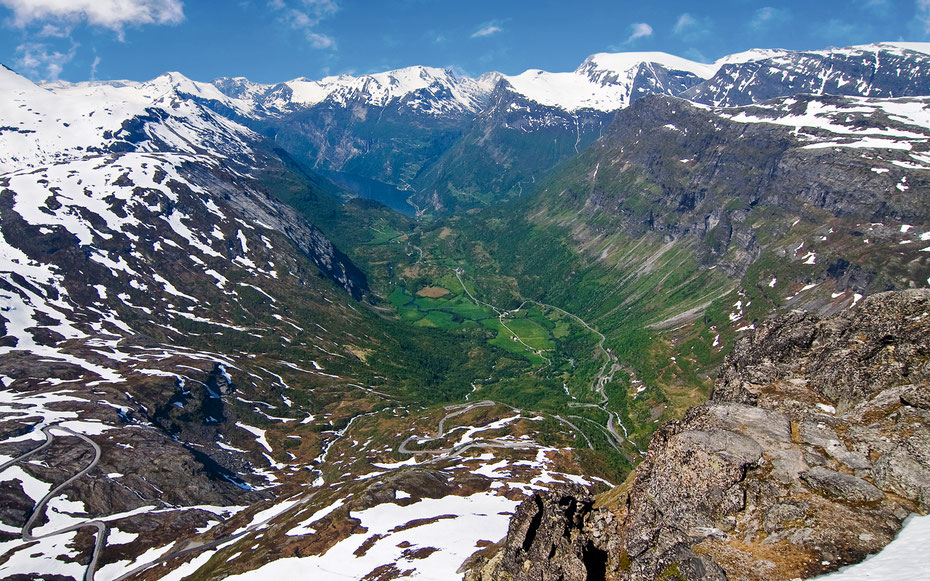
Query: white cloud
[685,22]
[639,30]
[305,17]
[112,14]
[93,68]
[922,15]
[322,7]
[487,29]
[320,41]
[38,61]
[692,28]
[844,32]
[768,16]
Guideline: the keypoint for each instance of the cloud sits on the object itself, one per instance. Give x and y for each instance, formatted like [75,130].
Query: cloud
[880,6]
[768,16]
[487,29]
[37,60]
[922,15]
[690,28]
[639,30]
[843,32]
[111,14]
[93,68]
[305,17]
[685,22]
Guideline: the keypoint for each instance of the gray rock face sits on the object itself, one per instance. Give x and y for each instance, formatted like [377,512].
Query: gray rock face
[544,543]
[814,447]
[900,473]
[840,486]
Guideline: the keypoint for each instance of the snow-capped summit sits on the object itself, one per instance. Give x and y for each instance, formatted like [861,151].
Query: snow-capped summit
[63,121]
[10,81]
[755,54]
[428,89]
[241,88]
[922,47]
[599,67]
[873,70]
[610,81]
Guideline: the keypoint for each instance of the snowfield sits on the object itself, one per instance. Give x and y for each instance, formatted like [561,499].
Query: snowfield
[432,551]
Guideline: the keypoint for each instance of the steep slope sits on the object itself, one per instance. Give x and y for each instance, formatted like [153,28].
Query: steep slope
[684,227]
[513,141]
[156,298]
[384,127]
[43,126]
[875,70]
[537,119]
[811,452]
[185,359]
[735,183]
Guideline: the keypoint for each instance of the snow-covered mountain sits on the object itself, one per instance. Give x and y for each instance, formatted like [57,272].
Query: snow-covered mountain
[49,125]
[607,82]
[874,70]
[425,90]
[156,296]
[359,125]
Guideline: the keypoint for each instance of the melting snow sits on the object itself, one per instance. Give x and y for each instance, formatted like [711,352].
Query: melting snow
[258,432]
[473,518]
[304,527]
[904,559]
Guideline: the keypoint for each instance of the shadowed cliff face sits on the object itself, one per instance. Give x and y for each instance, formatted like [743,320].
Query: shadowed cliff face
[814,447]
[729,181]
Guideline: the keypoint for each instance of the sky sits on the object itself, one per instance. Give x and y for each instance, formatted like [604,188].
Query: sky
[270,41]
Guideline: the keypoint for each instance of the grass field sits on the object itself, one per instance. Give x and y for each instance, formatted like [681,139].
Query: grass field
[532,333]
[439,307]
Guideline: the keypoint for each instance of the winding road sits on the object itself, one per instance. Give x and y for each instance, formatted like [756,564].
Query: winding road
[605,374]
[39,508]
[455,450]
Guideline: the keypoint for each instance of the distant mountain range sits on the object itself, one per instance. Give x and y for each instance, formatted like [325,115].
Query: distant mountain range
[188,278]
[413,129]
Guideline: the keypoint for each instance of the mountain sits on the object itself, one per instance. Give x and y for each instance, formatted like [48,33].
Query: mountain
[535,120]
[876,70]
[215,362]
[411,128]
[194,352]
[414,129]
[809,456]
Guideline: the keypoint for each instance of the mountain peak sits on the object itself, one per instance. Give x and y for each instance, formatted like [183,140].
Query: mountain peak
[755,54]
[625,61]
[380,89]
[10,80]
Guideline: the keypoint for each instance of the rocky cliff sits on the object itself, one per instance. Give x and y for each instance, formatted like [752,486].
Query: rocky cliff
[813,448]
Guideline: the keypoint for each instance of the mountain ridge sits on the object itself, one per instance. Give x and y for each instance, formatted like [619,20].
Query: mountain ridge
[336,386]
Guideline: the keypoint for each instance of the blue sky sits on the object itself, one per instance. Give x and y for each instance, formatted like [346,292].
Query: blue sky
[275,40]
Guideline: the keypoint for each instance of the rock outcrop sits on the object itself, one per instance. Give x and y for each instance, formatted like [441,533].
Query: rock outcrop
[814,447]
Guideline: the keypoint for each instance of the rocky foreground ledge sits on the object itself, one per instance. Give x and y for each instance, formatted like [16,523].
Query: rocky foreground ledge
[814,447]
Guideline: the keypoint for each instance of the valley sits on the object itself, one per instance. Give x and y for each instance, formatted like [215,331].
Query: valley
[343,328]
